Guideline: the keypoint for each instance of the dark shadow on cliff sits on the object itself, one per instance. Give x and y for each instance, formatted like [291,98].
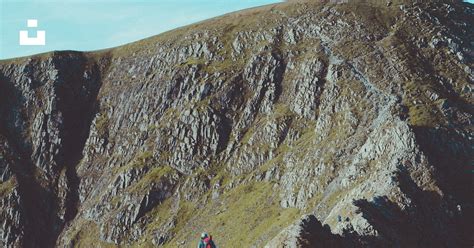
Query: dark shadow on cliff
[77,101]
[427,222]
[74,95]
[313,233]
[35,199]
[451,155]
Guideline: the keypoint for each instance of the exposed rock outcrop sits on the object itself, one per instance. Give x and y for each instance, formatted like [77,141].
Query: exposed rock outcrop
[357,115]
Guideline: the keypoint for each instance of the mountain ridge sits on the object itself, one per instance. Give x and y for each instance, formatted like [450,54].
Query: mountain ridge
[296,124]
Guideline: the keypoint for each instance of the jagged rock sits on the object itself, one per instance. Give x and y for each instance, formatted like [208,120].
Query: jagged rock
[355,113]
[305,233]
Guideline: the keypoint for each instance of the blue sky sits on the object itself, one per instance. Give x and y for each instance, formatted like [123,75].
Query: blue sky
[96,24]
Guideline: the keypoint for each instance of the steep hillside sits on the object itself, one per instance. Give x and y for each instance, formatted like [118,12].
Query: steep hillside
[301,124]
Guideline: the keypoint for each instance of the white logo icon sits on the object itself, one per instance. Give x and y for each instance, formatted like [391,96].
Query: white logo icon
[39,40]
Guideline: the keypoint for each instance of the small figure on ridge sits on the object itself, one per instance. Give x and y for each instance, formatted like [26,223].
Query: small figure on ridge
[206,241]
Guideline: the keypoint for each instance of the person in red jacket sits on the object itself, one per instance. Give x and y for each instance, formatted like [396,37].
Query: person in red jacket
[206,241]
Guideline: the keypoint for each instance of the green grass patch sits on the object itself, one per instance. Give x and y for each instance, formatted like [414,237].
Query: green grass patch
[102,124]
[88,236]
[154,175]
[7,186]
[249,214]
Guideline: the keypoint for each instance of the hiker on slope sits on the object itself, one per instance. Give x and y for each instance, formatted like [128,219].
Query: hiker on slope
[206,241]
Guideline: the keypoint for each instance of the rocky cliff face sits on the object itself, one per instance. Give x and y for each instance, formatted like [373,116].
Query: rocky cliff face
[301,124]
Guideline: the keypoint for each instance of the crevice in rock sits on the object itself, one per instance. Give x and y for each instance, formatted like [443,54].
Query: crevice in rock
[36,200]
[77,101]
[75,91]
[224,130]
[279,75]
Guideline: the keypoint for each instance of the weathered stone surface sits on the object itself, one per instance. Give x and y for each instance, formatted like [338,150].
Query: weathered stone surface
[356,114]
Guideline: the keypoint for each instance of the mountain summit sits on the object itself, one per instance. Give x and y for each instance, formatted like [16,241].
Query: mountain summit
[300,124]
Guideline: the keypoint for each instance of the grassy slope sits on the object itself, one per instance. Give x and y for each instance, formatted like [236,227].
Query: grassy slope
[251,213]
